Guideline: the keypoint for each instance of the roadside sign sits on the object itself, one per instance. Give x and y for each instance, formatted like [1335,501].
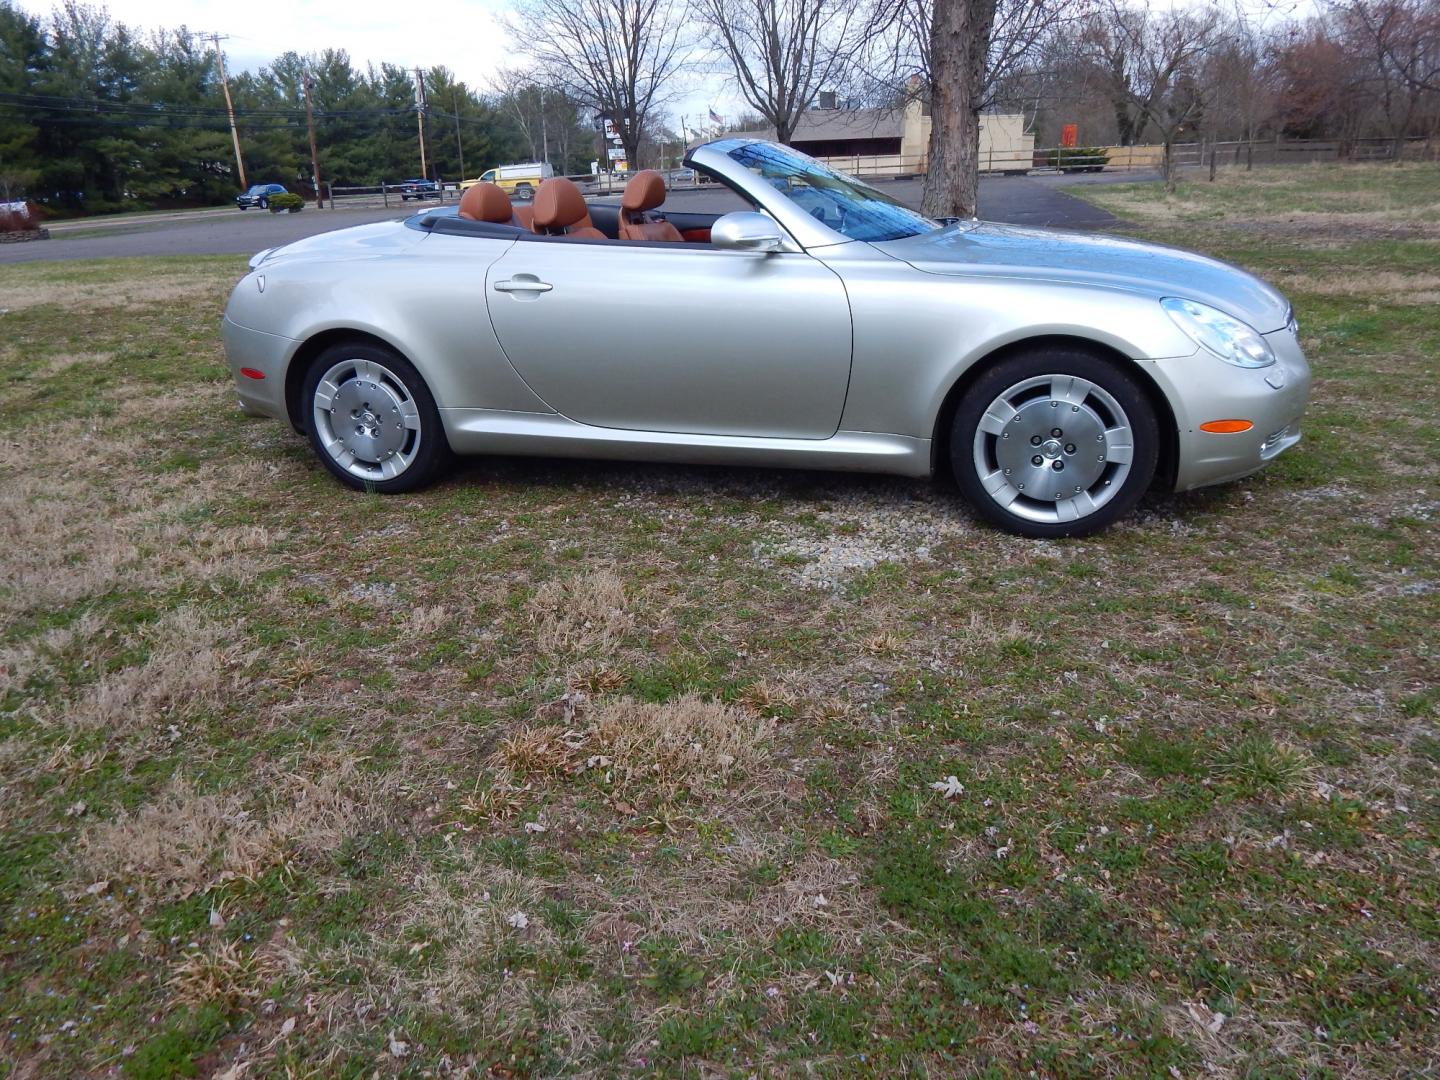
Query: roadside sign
[617,153]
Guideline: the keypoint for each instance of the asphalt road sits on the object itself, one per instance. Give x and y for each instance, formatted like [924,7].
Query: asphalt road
[1023,200]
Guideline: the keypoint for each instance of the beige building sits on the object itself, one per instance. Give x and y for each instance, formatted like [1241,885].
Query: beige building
[893,142]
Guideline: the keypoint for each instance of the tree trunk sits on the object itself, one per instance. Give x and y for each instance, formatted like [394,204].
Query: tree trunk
[1169,166]
[959,40]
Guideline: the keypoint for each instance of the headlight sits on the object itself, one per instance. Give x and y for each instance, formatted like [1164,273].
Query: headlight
[1230,339]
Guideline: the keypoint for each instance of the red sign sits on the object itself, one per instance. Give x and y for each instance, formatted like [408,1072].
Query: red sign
[1068,135]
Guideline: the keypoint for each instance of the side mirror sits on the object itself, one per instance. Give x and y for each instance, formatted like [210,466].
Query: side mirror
[746,230]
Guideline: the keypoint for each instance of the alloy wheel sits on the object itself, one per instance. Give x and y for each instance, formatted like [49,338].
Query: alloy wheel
[1053,448]
[367,420]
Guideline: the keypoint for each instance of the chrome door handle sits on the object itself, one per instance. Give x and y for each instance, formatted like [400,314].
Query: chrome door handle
[522,285]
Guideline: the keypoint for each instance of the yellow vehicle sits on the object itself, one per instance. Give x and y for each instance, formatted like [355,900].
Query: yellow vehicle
[517,180]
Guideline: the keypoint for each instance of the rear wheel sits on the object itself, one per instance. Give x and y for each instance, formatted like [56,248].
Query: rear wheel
[263,204]
[1055,442]
[524,191]
[371,419]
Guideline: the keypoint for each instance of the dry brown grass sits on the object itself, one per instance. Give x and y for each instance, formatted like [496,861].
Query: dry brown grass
[226,974]
[165,287]
[182,843]
[1385,287]
[88,515]
[60,362]
[690,743]
[20,664]
[583,613]
[186,842]
[192,663]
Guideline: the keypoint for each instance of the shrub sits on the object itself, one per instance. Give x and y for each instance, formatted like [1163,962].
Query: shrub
[19,216]
[1078,158]
[286,201]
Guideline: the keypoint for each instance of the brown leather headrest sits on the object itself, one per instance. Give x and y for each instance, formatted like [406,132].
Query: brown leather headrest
[486,202]
[645,191]
[559,204]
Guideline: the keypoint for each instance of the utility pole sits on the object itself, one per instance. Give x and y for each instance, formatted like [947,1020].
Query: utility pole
[420,119]
[229,108]
[459,146]
[314,156]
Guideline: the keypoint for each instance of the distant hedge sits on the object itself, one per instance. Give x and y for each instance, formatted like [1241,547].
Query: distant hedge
[1078,158]
[287,201]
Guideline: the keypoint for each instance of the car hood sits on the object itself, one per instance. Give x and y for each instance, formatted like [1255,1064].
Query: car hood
[356,242]
[990,249]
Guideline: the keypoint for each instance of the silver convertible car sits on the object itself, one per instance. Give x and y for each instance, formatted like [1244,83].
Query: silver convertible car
[1055,376]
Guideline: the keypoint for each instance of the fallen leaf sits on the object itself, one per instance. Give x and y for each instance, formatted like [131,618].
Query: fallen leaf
[949,788]
[397,1048]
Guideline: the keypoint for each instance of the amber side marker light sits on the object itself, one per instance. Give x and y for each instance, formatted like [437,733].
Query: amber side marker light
[251,373]
[1226,427]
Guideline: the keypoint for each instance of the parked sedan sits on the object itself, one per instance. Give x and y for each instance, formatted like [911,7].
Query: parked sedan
[258,196]
[419,189]
[1056,377]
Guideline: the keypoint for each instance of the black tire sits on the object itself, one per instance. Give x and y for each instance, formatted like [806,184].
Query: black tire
[430,452]
[1107,398]
[263,204]
[524,191]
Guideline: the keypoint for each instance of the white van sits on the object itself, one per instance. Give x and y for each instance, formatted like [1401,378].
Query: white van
[518,180]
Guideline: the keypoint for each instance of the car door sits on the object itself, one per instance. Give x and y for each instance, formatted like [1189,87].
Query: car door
[676,337]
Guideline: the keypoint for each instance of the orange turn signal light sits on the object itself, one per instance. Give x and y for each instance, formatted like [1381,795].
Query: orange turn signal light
[1226,427]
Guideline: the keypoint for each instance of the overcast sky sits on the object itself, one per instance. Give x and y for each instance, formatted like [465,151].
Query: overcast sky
[464,36]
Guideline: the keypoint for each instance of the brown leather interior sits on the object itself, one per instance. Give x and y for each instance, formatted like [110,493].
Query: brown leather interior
[486,202]
[644,192]
[560,210]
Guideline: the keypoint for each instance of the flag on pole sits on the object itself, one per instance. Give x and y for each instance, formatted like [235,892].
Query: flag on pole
[715,117]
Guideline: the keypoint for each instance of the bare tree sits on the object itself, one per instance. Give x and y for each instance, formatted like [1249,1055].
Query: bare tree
[782,52]
[619,57]
[543,114]
[1151,62]
[1404,35]
[956,53]
[1399,41]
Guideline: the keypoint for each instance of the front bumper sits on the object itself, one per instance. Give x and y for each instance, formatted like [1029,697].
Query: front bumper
[266,354]
[1201,388]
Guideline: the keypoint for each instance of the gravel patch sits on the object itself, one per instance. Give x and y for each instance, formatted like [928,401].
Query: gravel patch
[858,531]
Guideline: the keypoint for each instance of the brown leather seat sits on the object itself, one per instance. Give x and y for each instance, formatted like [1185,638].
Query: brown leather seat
[644,192]
[560,210]
[486,202]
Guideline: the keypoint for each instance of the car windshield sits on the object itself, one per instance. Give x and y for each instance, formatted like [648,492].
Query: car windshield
[849,206]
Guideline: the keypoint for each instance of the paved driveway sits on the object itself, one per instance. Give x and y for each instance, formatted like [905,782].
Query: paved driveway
[1020,200]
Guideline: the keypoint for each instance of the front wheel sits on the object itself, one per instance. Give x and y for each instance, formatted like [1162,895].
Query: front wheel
[371,419]
[1053,443]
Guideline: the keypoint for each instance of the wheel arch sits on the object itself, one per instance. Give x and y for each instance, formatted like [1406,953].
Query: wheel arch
[1166,467]
[312,347]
